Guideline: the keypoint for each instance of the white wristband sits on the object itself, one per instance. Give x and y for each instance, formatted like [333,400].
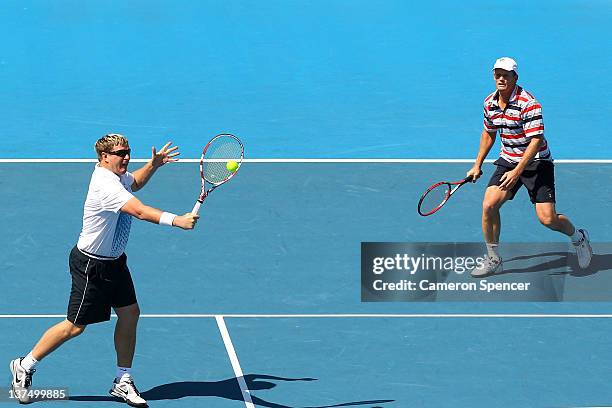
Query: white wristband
[166,218]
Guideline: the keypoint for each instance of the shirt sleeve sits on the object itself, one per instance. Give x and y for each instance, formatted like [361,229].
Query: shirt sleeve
[488,123]
[114,196]
[531,116]
[128,179]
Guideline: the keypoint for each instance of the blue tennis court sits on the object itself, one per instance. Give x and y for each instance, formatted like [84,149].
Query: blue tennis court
[348,110]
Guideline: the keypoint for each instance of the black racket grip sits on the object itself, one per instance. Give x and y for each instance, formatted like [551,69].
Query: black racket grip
[470,178]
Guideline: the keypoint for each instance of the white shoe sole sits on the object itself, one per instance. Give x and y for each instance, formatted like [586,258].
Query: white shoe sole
[500,268]
[590,248]
[13,370]
[130,403]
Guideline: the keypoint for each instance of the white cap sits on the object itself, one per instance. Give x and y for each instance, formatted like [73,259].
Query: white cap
[506,63]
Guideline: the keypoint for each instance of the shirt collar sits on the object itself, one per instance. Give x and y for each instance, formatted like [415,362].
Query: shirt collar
[513,97]
[105,170]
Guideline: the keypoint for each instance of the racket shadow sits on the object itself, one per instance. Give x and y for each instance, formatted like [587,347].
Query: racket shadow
[227,389]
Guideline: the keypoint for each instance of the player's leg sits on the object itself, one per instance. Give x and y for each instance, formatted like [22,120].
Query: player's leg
[125,334]
[541,186]
[23,368]
[125,304]
[81,308]
[127,310]
[549,217]
[493,200]
[55,337]
[85,305]
[125,345]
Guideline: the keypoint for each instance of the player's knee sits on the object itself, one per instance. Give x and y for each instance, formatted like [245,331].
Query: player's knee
[489,207]
[548,220]
[135,312]
[131,312]
[77,331]
[73,330]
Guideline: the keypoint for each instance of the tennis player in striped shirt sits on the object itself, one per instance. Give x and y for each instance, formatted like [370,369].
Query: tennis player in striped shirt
[525,159]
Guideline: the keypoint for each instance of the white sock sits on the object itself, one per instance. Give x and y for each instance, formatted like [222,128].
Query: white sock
[576,236]
[123,373]
[29,362]
[493,251]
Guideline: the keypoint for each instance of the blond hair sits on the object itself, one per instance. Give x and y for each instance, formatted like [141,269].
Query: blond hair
[107,142]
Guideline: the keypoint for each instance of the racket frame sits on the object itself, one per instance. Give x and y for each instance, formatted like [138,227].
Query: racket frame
[205,192]
[452,187]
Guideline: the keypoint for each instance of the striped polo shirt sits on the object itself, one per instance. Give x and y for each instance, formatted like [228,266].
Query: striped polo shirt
[517,124]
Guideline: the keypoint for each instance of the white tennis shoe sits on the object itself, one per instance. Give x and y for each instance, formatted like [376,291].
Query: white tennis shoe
[488,267]
[584,252]
[21,381]
[127,391]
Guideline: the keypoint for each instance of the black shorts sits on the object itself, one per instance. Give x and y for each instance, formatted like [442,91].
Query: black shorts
[538,178]
[98,286]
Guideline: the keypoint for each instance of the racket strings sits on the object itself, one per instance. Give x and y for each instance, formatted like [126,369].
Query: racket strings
[218,154]
[434,198]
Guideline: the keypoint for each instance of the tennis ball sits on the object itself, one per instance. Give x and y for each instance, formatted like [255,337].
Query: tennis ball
[231,166]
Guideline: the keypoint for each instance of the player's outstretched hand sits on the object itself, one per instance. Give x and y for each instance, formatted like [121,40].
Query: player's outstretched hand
[167,154]
[187,221]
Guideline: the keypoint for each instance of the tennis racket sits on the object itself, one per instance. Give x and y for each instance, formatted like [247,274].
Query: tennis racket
[214,170]
[438,194]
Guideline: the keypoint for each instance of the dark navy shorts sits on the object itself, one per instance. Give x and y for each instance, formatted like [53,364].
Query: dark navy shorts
[97,286]
[538,178]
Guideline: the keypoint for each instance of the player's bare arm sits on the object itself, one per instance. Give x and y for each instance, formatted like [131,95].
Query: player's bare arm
[487,139]
[167,154]
[137,209]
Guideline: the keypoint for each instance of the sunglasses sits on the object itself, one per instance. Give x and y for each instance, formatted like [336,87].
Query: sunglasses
[506,75]
[121,153]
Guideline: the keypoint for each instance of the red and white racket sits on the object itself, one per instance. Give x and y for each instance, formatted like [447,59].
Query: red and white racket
[216,164]
[438,194]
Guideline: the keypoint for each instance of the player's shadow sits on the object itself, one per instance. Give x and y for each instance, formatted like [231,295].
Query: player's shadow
[228,389]
[563,260]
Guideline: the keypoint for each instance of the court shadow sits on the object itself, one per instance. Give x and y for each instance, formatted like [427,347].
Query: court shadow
[567,260]
[228,389]
[562,260]
[599,263]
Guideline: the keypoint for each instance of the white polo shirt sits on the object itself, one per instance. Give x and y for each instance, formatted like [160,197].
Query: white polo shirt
[106,230]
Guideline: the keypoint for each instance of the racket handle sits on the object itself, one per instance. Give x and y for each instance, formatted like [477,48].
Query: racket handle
[470,177]
[196,207]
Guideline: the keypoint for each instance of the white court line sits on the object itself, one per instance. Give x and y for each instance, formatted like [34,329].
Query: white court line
[560,161]
[345,315]
[246,394]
